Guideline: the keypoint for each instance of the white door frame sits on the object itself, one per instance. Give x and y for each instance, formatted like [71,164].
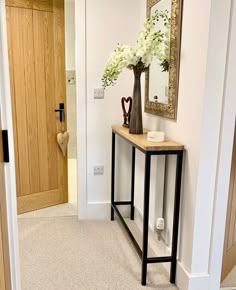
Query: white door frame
[81,98]
[86,210]
[5,100]
[224,157]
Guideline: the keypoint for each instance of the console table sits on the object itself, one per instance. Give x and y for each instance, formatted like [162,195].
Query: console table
[149,149]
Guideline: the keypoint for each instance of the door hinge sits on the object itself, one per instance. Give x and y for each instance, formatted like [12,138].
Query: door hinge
[5,146]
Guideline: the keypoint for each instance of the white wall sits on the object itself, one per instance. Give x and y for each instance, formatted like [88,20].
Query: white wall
[70,34]
[198,125]
[70,74]
[201,92]
[109,22]
[187,128]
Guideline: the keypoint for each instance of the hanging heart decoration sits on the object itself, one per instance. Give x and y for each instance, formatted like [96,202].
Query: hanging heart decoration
[62,140]
[126,113]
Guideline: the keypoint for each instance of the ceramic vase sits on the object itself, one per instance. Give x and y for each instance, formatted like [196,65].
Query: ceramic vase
[136,122]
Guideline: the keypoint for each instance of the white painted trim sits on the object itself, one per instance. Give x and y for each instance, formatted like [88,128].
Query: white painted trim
[224,157]
[100,210]
[99,203]
[162,249]
[9,168]
[138,218]
[184,279]
[210,133]
[81,96]
[86,210]
[187,281]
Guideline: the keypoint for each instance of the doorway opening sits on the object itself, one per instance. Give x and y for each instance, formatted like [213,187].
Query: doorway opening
[41,45]
[228,274]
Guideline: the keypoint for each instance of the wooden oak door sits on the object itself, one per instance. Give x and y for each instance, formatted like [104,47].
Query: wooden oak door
[37,72]
[4,249]
[229,256]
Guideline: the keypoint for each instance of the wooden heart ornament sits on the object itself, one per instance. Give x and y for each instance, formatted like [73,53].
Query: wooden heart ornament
[126,113]
[62,140]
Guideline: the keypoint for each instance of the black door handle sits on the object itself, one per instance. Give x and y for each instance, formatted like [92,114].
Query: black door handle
[61,110]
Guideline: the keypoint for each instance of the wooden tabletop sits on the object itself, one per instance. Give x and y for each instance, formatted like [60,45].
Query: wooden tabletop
[141,140]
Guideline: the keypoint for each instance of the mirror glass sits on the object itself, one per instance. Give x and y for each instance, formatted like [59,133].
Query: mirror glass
[161,85]
[158,91]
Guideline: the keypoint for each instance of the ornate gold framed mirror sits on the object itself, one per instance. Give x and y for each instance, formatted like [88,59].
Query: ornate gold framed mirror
[161,83]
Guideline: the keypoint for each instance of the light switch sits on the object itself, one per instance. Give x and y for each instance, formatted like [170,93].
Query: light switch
[98,93]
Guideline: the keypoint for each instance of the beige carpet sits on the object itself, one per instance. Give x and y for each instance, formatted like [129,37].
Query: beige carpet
[63,253]
[230,280]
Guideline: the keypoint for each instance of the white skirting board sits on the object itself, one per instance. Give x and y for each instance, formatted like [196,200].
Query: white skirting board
[191,281]
[102,210]
[184,279]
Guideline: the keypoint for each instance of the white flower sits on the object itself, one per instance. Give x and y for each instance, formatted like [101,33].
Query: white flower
[151,43]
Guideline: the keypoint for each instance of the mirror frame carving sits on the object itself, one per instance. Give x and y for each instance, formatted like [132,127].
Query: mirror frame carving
[168,110]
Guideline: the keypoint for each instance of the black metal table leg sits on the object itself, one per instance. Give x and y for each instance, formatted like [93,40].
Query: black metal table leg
[132,184]
[113,174]
[176,215]
[146,217]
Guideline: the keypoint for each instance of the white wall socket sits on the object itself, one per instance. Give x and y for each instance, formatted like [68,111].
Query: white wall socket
[98,170]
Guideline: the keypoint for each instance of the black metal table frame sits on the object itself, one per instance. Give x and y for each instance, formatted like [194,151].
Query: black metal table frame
[143,254]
